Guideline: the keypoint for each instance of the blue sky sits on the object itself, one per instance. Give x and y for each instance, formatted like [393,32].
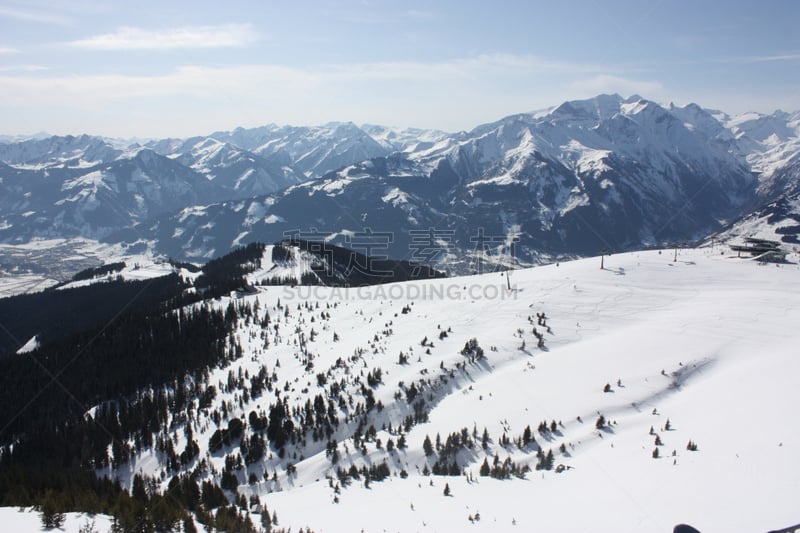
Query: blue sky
[174,68]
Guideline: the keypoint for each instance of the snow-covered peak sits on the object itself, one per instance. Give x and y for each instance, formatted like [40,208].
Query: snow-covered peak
[408,140]
[597,108]
[767,129]
[58,151]
[698,118]
[770,142]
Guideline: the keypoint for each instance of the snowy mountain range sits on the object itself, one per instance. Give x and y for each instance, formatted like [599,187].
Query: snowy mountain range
[607,173]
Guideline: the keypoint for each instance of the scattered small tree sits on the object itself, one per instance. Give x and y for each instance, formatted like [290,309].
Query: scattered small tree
[446,489]
[601,422]
[88,527]
[655,453]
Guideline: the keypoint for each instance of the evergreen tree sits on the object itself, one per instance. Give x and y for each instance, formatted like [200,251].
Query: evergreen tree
[446,489]
[188,525]
[427,446]
[51,517]
[266,521]
[485,470]
[527,436]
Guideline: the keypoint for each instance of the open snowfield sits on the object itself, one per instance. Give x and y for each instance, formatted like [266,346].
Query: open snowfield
[708,341]
[702,349]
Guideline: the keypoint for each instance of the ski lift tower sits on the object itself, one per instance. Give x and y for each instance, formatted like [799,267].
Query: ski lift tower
[603,254]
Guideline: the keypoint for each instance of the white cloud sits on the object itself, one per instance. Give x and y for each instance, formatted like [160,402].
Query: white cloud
[6,51]
[128,38]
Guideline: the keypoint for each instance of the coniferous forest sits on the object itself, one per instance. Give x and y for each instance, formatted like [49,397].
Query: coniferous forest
[120,364]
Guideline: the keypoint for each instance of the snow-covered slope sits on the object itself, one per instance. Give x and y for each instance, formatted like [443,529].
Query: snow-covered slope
[696,350]
[778,221]
[28,519]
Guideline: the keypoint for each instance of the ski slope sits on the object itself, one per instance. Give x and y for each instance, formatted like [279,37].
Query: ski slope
[708,342]
[700,349]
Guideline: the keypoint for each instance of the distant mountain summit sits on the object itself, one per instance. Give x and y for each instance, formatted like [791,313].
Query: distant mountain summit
[311,151]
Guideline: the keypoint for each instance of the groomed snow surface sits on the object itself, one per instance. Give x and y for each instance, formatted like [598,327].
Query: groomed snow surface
[708,342]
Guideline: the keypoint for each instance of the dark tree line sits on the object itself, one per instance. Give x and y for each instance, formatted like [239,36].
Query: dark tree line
[137,351]
[96,272]
[55,314]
